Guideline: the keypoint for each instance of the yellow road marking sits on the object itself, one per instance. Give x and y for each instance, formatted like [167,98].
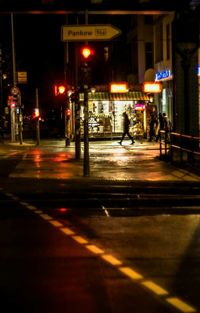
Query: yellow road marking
[182,306]
[38,211]
[94,249]
[130,273]
[176,302]
[24,203]
[67,231]
[56,223]
[155,288]
[111,259]
[30,207]
[15,198]
[9,194]
[80,239]
[46,217]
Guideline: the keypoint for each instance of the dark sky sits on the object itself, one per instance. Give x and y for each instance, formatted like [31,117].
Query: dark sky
[39,49]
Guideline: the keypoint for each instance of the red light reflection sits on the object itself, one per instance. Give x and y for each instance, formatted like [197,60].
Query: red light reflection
[63,210]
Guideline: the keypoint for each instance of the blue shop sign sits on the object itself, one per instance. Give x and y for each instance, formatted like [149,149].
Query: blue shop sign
[198,70]
[163,75]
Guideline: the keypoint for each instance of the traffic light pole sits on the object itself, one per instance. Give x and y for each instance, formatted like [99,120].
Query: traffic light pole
[77,111]
[77,130]
[86,163]
[12,110]
[38,118]
[20,121]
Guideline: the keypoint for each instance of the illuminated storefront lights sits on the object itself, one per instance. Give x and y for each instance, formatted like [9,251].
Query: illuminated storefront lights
[119,87]
[152,87]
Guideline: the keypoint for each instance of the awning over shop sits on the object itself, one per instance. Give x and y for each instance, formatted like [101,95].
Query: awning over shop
[129,96]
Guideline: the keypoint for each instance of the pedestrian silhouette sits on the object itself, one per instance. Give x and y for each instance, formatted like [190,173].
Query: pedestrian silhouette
[126,124]
[152,126]
[160,126]
[167,126]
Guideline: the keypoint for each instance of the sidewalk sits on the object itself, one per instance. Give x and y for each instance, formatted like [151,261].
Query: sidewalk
[108,161]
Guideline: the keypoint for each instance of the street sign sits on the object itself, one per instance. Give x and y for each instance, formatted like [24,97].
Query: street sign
[89,32]
[22,77]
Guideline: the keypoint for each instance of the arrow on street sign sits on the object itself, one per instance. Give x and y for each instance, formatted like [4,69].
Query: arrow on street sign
[89,32]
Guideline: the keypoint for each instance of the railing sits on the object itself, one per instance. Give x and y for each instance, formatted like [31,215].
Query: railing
[180,148]
[164,144]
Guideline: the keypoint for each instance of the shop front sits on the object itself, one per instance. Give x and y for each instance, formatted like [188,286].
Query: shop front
[105,113]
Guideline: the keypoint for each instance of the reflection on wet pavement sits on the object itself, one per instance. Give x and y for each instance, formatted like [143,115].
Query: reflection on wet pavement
[108,160]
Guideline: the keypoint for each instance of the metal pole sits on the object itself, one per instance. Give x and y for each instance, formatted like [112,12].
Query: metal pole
[77,111]
[1,83]
[67,130]
[12,110]
[20,121]
[86,165]
[77,104]
[38,118]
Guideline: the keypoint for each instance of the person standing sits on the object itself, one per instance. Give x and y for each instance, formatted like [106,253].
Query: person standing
[167,126]
[160,126]
[152,126]
[126,125]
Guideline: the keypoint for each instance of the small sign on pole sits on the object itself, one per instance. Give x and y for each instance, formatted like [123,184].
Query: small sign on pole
[22,77]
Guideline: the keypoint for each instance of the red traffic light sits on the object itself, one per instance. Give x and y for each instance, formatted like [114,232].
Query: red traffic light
[87,52]
[13,105]
[68,112]
[59,90]
[36,113]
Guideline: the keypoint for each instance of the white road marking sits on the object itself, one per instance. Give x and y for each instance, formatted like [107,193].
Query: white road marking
[105,211]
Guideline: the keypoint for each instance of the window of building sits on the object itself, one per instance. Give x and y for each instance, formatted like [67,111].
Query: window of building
[168,41]
[148,19]
[149,55]
[158,43]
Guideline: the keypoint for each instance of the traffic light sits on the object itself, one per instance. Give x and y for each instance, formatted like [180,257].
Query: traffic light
[60,90]
[13,105]
[68,113]
[86,53]
[36,113]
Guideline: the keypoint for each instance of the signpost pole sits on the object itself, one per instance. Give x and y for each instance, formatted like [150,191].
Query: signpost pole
[12,110]
[37,118]
[86,165]
[20,120]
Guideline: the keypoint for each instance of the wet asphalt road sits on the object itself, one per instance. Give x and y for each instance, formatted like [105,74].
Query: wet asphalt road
[70,248]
